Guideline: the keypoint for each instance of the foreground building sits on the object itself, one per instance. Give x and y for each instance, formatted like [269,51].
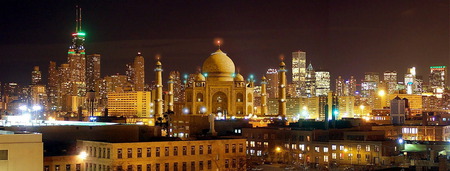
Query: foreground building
[20,151]
[158,155]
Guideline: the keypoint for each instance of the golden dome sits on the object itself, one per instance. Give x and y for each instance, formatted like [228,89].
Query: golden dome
[158,63]
[238,77]
[200,77]
[219,67]
[282,64]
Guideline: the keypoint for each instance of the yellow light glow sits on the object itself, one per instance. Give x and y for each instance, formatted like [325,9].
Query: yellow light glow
[381,93]
[278,149]
[345,150]
[362,107]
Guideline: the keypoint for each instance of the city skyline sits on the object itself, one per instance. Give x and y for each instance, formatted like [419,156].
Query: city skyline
[320,28]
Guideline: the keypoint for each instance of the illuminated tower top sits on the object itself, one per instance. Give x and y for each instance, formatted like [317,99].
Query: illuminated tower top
[79,36]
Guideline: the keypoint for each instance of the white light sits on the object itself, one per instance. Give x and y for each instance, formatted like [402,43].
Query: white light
[203,109]
[185,110]
[83,155]
[400,141]
[37,107]
[23,108]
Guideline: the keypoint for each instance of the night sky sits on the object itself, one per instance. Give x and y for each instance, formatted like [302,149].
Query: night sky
[345,37]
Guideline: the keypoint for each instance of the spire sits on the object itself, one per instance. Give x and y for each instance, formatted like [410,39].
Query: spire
[218,44]
[310,67]
[77,19]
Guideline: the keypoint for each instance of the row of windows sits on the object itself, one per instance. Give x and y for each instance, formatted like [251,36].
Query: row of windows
[184,151]
[68,168]
[325,149]
[182,166]
[100,153]
[157,153]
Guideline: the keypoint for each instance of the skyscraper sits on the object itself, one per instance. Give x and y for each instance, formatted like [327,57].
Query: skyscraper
[410,79]
[299,72]
[272,83]
[52,92]
[390,78]
[310,81]
[351,86]
[340,86]
[178,92]
[36,76]
[322,83]
[139,75]
[92,71]
[77,59]
[438,77]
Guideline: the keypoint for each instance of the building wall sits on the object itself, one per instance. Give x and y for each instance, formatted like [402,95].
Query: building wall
[135,103]
[225,154]
[21,152]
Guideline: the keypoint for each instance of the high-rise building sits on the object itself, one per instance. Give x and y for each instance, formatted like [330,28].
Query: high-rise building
[136,103]
[299,72]
[390,78]
[139,74]
[340,86]
[178,89]
[92,71]
[438,77]
[36,76]
[130,72]
[310,81]
[272,83]
[77,59]
[370,83]
[351,86]
[322,83]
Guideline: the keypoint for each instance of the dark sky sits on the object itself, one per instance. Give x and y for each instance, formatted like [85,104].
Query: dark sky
[346,37]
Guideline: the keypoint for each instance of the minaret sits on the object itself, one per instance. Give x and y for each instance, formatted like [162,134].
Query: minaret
[170,104]
[158,91]
[282,90]
[264,96]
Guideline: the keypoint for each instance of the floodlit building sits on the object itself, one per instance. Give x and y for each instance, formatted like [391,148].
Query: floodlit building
[92,71]
[299,72]
[219,89]
[133,103]
[322,83]
[139,72]
[438,78]
[214,154]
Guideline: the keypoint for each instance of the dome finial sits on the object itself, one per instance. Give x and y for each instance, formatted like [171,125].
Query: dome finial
[219,43]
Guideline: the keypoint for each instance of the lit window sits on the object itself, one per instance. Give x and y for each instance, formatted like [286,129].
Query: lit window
[333,147]
[317,149]
[325,149]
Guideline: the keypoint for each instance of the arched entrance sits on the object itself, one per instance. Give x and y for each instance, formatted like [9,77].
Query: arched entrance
[219,102]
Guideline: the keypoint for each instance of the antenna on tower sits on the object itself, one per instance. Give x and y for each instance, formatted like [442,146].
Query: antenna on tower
[76,18]
[80,21]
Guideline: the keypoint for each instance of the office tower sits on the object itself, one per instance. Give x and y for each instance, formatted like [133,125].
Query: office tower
[322,83]
[139,75]
[351,83]
[132,103]
[438,77]
[299,72]
[370,83]
[282,90]
[52,92]
[398,111]
[390,78]
[410,80]
[340,86]
[77,59]
[92,71]
[64,87]
[272,83]
[178,89]
[310,81]
[130,72]
[36,76]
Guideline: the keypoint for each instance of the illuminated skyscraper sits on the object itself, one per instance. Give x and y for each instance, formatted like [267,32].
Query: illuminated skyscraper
[340,86]
[299,72]
[410,80]
[52,92]
[92,71]
[438,77]
[36,76]
[139,75]
[370,83]
[272,83]
[178,90]
[390,78]
[351,83]
[77,59]
[130,72]
[322,83]
[310,81]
